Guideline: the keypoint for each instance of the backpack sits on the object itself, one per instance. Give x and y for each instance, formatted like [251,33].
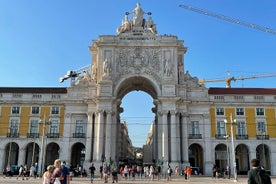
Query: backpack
[263,177]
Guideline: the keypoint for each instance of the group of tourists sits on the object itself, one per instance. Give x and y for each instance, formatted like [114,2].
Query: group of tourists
[56,174]
[131,172]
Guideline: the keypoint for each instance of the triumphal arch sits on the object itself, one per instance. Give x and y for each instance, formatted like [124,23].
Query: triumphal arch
[137,58]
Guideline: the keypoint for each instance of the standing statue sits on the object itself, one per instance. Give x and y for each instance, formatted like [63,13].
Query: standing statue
[106,67]
[167,70]
[138,19]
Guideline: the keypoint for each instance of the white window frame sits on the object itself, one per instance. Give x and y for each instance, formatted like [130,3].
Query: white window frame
[54,126]
[220,128]
[55,110]
[241,128]
[240,111]
[79,128]
[195,127]
[34,126]
[260,111]
[220,111]
[34,110]
[15,110]
[261,127]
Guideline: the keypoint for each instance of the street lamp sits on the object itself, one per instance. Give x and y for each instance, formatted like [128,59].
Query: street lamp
[43,138]
[233,122]
[263,147]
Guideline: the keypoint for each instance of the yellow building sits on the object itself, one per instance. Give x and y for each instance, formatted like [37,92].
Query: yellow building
[251,113]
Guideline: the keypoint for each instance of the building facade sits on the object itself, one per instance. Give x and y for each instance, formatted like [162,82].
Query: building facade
[81,123]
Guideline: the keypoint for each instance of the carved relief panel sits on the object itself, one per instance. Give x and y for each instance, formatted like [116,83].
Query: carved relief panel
[138,60]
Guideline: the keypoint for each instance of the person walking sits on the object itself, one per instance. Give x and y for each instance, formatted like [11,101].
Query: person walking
[21,172]
[92,172]
[169,171]
[188,172]
[257,175]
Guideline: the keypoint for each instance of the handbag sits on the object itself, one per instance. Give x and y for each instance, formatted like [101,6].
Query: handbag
[57,181]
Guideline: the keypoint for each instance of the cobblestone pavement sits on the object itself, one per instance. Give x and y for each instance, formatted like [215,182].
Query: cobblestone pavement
[175,180]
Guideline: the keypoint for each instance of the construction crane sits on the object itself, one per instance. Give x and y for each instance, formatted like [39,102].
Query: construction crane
[72,74]
[229,79]
[229,19]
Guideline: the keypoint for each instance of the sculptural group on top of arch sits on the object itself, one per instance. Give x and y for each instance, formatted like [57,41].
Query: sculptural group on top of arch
[138,22]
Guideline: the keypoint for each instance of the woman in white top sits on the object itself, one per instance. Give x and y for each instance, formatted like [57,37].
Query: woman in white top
[47,176]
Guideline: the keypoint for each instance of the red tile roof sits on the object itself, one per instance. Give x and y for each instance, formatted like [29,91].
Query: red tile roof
[32,90]
[242,91]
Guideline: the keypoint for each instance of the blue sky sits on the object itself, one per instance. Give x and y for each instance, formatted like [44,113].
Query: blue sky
[41,40]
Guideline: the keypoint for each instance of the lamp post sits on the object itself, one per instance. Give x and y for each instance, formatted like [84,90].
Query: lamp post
[232,122]
[42,152]
[227,150]
[263,148]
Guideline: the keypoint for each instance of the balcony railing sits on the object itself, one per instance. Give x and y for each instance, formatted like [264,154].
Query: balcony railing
[53,135]
[195,136]
[78,135]
[220,136]
[33,135]
[13,135]
[241,137]
[262,137]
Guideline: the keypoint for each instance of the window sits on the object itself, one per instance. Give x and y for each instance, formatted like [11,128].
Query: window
[219,111]
[261,127]
[221,128]
[239,111]
[195,127]
[35,110]
[53,127]
[14,126]
[259,111]
[241,128]
[15,110]
[79,126]
[55,110]
[34,126]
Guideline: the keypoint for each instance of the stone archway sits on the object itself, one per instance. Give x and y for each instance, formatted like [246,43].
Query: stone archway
[139,59]
[12,151]
[263,154]
[51,154]
[221,156]
[196,156]
[242,158]
[32,154]
[77,155]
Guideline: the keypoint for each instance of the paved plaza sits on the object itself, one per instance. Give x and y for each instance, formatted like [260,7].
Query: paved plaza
[175,180]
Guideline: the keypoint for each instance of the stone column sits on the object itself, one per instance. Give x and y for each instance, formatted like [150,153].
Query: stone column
[175,152]
[209,154]
[165,151]
[108,133]
[98,137]
[159,135]
[89,134]
[185,146]
[3,155]
[114,137]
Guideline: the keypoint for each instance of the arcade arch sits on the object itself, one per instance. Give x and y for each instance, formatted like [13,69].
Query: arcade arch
[11,152]
[263,154]
[196,156]
[52,153]
[77,155]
